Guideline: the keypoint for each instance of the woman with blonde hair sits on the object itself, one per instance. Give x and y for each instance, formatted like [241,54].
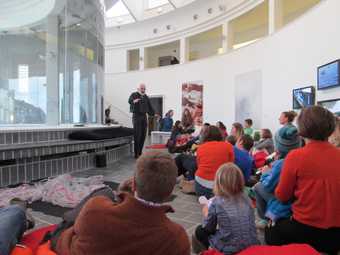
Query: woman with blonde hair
[231,211]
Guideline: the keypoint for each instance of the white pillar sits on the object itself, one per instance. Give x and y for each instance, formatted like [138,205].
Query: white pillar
[184,50]
[275,15]
[52,74]
[225,28]
[142,60]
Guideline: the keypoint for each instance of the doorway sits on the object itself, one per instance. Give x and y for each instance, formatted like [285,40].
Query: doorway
[157,104]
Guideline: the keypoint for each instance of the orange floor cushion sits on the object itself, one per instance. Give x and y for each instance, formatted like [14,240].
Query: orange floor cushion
[291,249]
[44,249]
[33,239]
[21,250]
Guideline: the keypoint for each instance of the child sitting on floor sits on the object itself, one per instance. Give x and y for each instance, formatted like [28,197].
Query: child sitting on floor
[231,211]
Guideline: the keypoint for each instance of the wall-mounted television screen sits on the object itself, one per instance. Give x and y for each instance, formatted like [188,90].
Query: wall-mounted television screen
[329,75]
[303,97]
[332,105]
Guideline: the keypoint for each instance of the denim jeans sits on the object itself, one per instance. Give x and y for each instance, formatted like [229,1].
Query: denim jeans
[12,227]
[203,191]
[262,198]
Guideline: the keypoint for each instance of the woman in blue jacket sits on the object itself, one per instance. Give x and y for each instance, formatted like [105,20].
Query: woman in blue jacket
[167,122]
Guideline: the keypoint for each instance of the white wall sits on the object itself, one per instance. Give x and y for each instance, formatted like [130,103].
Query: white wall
[288,59]
[116,61]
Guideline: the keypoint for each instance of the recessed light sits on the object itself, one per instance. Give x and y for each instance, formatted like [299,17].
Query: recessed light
[210,10]
[155,30]
[195,17]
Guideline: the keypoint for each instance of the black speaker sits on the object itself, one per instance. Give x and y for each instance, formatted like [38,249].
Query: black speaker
[101,160]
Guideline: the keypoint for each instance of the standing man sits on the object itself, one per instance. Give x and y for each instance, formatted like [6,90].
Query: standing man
[140,106]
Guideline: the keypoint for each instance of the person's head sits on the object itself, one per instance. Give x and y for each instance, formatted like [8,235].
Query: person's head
[245,142]
[155,176]
[287,117]
[142,88]
[266,133]
[229,181]
[220,125]
[316,123]
[169,114]
[177,125]
[186,112]
[231,139]
[248,123]
[287,139]
[335,137]
[211,133]
[237,130]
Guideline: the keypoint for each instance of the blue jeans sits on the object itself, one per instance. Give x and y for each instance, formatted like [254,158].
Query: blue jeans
[203,191]
[262,198]
[12,227]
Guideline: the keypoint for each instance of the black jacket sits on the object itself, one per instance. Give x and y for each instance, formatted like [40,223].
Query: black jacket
[141,107]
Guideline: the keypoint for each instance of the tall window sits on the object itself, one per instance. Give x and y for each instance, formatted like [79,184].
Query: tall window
[156,3]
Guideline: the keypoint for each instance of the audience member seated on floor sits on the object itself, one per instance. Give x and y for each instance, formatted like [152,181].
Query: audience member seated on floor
[135,224]
[187,121]
[248,130]
[211,154]
[223,129]
[229,221]
[167,122]
[268,207]
[311,178]
[231,139]
[14,221]
[335,137]
[237,130]
[266,142]
[176,131]
[242,157]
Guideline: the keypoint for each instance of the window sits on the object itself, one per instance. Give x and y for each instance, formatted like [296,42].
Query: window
[156,3]
[119,9]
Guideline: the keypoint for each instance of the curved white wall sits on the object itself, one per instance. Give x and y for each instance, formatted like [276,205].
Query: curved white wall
[288,59]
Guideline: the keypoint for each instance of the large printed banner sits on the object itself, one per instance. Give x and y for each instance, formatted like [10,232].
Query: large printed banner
[192,102]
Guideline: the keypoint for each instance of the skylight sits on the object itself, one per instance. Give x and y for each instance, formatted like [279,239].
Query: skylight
[156,3]
[119,9]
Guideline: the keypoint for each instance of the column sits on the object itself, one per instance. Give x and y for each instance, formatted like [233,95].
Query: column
[52,74]
[142,58]
[184,50]
[225,43]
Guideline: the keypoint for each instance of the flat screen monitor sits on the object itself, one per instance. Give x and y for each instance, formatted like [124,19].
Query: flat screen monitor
[303,97]
[332,105]
[329,75]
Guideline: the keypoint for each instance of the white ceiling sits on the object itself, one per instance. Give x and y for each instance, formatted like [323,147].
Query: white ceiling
[120,12]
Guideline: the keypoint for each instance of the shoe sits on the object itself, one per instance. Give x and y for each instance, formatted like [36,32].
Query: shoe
[261,224]
[197,246]
[30,222]
[188,187]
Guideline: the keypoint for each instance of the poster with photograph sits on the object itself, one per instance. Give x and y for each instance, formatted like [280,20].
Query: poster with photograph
[192,104]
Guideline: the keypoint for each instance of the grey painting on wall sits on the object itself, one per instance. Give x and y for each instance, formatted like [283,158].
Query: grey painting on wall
[248,97]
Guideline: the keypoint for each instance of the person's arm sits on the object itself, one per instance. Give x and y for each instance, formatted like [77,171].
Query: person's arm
[210,221]
[231,154]
[86,226]
[271,179]
[131,98]
[285,189]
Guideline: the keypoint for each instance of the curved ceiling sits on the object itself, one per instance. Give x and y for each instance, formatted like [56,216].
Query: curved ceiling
[17,13]
[121,12]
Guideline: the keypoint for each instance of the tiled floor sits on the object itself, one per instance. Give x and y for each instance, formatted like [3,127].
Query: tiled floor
[187,209]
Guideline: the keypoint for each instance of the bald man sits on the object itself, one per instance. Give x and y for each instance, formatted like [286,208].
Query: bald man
[140,106]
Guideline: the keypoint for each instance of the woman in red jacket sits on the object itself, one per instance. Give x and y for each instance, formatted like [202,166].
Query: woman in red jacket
[213,153]
[310,178]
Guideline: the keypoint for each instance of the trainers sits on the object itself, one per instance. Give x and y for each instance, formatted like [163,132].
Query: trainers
[197,246]
[30,222]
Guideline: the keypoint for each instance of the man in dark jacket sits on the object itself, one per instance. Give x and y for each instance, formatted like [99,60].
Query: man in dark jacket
[140,106]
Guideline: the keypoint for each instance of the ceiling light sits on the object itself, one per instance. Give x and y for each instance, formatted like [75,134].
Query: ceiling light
[210,10]
[160,10]
[168,27]
[222,7]
[195,17]
[155,30]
